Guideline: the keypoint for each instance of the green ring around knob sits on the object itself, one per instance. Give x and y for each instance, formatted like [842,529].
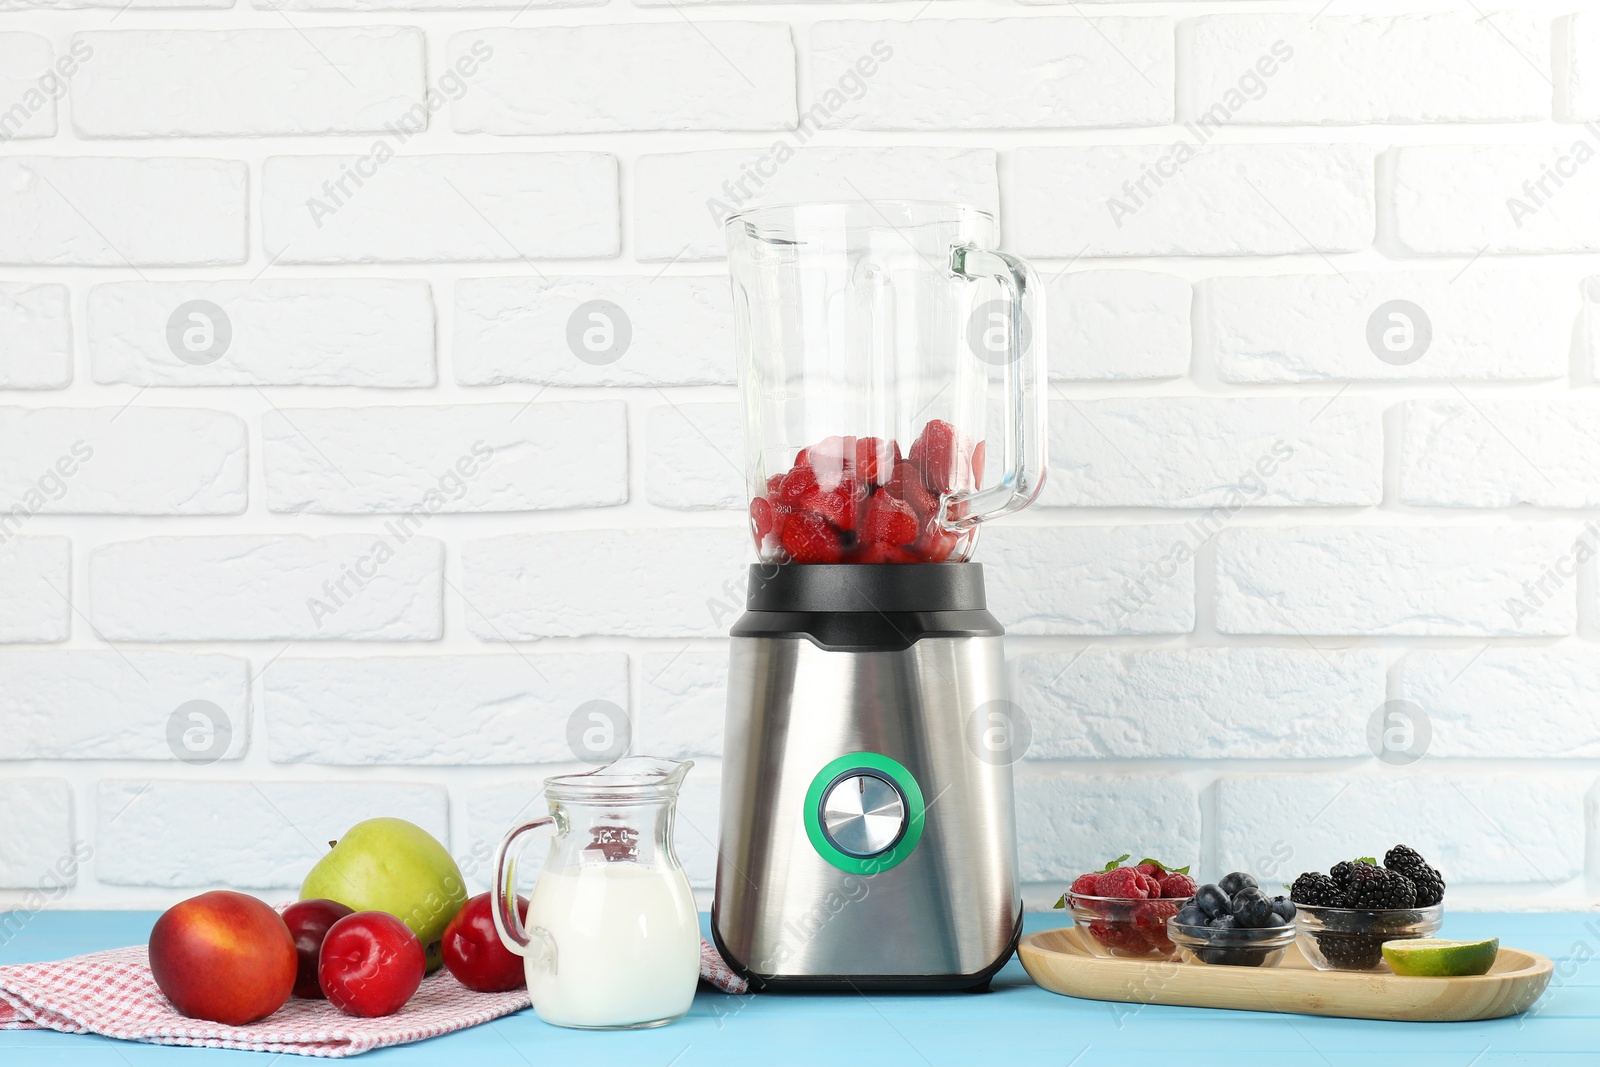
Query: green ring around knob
[891,769]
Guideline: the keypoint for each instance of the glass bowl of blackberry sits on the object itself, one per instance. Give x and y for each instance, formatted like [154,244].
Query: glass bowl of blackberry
[1233,923]
[1346,915]
[1130,929]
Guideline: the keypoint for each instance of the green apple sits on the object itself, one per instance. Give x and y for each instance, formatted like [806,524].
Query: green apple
[394,866]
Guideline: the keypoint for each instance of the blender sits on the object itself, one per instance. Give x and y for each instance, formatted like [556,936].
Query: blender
[892,372]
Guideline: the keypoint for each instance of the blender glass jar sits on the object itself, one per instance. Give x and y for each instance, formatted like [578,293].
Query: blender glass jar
[892,372]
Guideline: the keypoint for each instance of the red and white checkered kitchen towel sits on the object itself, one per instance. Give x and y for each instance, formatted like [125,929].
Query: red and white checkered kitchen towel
[112,993]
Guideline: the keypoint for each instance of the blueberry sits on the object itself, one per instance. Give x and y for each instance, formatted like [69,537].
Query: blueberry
[1252,909]
[1214,901]
[1231,884]
[1283,910]
[1191,915]
[1222,922]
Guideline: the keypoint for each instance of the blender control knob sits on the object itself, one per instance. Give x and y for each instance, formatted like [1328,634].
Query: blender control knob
[863,814]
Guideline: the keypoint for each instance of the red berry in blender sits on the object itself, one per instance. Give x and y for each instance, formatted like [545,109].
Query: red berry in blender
[876,459]
[810,538]
[939,455]
[888,522]
[906,484]
[761,517]
[838,505]
[796,484]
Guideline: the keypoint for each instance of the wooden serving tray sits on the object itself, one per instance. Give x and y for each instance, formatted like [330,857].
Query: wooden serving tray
[1059,961]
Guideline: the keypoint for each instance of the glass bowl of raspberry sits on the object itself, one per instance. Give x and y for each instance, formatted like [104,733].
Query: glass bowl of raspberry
[1232,947]
[1125,927]
[1351,939]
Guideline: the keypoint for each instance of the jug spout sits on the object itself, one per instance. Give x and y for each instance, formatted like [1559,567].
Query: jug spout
[644,774]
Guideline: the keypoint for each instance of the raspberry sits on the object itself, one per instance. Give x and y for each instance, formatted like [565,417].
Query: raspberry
[888,521]
[809,538]
[1086,885]
[1429,882]
[1176,886]
[1127,884]
[977,463]
[1150,869]
[1154,912]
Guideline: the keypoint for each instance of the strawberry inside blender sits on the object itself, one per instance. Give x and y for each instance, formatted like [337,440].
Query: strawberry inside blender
[859,500]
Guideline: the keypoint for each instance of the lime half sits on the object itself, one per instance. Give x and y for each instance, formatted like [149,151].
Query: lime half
[1434,957]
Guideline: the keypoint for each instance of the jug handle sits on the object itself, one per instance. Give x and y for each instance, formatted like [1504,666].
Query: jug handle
[507,923]
[1023,445]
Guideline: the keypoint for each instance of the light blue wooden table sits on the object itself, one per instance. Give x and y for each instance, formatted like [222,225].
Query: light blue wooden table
[1018,1023]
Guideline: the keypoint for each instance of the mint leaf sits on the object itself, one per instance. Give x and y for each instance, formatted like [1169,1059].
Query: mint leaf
[1060,903]
[1163,867]
[1114,864]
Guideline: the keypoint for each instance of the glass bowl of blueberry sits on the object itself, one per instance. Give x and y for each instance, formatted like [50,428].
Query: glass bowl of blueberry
[1232,923]
[1346,915]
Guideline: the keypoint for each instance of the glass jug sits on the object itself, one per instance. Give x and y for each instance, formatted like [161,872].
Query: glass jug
[869,335]
[612,936]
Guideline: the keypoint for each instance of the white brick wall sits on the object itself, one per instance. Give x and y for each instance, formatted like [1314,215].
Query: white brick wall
[1466,199]
[120,705]
[458,709]
[122,212]
[37,349]
[1337,69]
[35,586]
[367,390]
[471,457]
[659,330]
[166,83]
[122,461]
[1245,453]
[600,79]
[25,59]
[1162,199]
[469,208]
[1578,92]
[331,331]
[991,73]
[1484,324]
[382,587]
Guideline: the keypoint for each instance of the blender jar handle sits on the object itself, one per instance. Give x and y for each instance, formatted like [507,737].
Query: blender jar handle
[1023,445]
[507,923]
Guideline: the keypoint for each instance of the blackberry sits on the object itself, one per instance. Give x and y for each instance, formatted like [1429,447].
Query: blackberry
[1317,890]
[1351,952]
[1379,888]
[1406,861]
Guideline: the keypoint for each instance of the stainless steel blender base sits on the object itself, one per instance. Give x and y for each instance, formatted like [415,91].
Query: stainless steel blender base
[797,904]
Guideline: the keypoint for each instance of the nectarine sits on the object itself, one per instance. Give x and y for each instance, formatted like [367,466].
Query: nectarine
[223,956]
